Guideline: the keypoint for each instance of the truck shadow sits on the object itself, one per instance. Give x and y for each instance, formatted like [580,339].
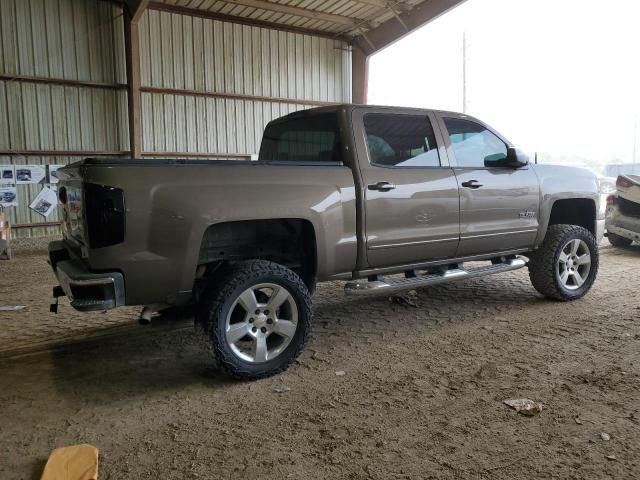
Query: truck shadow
[439,304]
[172,356]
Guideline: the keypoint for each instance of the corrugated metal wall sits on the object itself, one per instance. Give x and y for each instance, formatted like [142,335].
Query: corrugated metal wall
[69,40]
[287,71]
[211,87]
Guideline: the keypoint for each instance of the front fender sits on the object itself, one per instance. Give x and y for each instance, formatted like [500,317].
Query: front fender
[564,183]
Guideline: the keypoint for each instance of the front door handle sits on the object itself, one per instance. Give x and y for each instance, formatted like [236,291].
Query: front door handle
[382,186]
[471,184]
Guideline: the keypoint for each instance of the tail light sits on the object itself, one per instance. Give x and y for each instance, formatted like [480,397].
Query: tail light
[623,182]
[104,214]
[611,200]
[62,195]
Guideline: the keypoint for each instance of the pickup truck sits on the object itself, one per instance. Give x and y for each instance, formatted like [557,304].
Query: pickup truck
[622,221]
[383,198]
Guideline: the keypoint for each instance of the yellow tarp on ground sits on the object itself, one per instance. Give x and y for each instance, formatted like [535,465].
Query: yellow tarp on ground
[77,462]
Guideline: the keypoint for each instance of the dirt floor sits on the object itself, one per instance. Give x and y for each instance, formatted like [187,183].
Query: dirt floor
[421,395]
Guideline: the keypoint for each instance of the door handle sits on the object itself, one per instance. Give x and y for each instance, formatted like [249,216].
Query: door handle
[471,184]
[382,186]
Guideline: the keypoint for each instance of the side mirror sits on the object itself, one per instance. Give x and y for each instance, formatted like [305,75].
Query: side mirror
[514,159]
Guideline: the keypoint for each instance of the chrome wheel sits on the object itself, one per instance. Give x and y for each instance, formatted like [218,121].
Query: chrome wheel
[261,322]
[574,264]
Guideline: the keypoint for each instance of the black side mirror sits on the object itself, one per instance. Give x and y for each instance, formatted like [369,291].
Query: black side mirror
[514,159]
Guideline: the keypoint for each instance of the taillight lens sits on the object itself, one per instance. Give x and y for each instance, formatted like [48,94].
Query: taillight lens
[623,182]
[104,215]
[62,195]
[611,200]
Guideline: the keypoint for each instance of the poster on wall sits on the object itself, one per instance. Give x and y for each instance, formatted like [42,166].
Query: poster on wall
[8,197]
[7,175]
[45,202]
[52,173]
[30,174]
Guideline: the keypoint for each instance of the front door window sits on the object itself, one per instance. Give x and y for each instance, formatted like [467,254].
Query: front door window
[473,144]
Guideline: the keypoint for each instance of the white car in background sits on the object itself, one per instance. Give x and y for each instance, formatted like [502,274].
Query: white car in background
[622,220]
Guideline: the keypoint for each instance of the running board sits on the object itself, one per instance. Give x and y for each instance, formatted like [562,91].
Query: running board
[364,287]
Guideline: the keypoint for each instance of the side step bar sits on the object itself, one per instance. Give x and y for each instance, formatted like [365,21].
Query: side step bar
[384,286]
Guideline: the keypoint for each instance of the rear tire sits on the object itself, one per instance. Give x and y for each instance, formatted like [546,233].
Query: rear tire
[566,264]
[256,319]
[618,241]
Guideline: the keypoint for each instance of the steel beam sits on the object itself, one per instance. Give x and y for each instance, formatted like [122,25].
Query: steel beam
[62,82]
[61,153]
[402,24]
[359,75]
[223,17]
[136,8]
[234,96]
[296,11]
[132,50]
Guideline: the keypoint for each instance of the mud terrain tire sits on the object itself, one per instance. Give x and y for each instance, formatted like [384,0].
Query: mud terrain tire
[224,294]
[545,269]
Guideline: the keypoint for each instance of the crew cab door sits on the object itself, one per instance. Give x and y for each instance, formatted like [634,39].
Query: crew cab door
[410,192]
[498,205]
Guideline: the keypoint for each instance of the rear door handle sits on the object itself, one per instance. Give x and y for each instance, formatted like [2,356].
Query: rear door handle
[471,184]
[382,186]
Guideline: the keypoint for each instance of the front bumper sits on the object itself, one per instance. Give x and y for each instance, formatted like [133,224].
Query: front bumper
[87,291]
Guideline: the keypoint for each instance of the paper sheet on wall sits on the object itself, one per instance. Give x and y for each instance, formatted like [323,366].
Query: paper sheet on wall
[45,202]
[7,175]
[8,197]
[30,174]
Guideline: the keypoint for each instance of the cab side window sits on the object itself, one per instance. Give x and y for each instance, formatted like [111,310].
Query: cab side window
[472,143]
[312,138]
[397,140]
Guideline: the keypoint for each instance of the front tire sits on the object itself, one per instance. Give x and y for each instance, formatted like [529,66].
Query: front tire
[566,264]
[618,241]
[256,319]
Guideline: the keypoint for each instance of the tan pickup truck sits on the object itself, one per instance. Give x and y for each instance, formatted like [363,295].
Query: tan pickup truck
[353,193]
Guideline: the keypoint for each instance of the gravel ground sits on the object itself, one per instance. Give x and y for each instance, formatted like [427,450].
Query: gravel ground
[421,395]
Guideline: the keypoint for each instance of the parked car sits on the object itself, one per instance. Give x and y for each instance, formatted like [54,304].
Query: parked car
[354,193]
[623,212]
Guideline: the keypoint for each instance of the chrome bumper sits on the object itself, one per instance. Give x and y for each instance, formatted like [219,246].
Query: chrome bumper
[623,232]
[87,291]
[599,230]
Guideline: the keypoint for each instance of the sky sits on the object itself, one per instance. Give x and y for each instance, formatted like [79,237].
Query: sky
[557,77]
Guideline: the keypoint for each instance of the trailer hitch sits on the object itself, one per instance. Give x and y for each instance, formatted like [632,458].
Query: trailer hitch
[57,293]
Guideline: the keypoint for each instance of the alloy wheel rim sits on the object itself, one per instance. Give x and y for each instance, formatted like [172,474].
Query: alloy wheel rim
[574,264]
[261,322]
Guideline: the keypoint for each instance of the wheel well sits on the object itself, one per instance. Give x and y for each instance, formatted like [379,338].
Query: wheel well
[287,241]
[574,211]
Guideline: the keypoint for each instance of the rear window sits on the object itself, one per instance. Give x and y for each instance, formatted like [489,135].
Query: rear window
[305,139]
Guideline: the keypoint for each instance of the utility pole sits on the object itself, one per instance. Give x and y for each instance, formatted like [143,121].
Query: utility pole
[635,138]
[464,72]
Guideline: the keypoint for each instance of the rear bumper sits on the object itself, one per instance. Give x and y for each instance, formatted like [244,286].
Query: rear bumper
[625,233]
[87,291]
[622,225]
